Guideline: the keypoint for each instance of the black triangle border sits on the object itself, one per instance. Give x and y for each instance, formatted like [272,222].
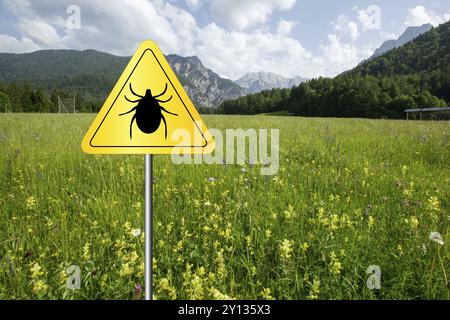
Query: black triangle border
[170,81]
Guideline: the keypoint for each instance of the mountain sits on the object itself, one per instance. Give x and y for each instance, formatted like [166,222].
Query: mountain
[92,73]
[259,81]
[426,55]
[410,34]
[201,84]
[415,75]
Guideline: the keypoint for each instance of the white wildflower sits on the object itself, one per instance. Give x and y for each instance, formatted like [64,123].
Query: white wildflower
[436,237]
[136,232]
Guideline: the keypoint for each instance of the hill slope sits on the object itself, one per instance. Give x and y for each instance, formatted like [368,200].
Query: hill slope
[414,75]
[410,34]
[428,52]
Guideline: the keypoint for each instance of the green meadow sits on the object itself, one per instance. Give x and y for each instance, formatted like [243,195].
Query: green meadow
[349,194]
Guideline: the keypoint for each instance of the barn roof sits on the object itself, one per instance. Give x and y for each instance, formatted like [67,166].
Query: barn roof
[427,110]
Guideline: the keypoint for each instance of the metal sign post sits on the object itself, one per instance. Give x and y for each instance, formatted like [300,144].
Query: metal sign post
[148,260]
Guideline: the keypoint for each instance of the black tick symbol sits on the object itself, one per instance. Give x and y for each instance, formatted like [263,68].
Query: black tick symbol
[148,113]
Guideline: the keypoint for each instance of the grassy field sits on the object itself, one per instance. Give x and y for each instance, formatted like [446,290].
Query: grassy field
[349,194]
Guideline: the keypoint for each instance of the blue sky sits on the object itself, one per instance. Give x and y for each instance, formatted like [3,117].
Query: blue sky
[307,38]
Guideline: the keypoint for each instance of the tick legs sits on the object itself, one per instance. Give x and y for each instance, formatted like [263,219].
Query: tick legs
[132,101]
[165,125]
[132,120]
[131,127]
[164,91]
[162,101]
[128,112]
[137,95]
[162,108]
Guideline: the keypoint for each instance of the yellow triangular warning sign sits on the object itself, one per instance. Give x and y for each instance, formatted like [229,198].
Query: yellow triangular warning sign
[148,112]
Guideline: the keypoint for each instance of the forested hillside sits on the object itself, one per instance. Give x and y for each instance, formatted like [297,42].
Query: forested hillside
[32,82]
[414,75]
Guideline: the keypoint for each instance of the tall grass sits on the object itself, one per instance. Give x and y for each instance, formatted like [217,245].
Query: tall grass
[349,194]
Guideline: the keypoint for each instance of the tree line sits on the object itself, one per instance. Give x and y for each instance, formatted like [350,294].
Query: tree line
[347,96]
[21,97]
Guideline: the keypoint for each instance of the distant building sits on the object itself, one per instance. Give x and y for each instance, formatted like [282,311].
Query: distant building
[428,114]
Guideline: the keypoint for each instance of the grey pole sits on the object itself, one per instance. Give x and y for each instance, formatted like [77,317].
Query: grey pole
[148,227]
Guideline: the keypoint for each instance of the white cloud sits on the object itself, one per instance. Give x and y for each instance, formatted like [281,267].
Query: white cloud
[240,15]
[420,15]
[342,56]
[353,28]
[285,27]
[240,52]
[119,29]
[116,28]
[39,32]
[343,26]
[276,53]
[10,44]
[388,35]
[370,18]
[193,4]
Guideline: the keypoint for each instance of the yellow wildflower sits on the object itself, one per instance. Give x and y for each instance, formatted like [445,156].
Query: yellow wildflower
[370,221]
[126,270]
[335,264]
[220,261]
[137,206]
[315,289]
[164,286]
[133,257]
[39,287]
[321,212]
[266,294]
[286,248]
[404,169]
[141,268]
[226,234]
[304,247]
[31,203]
[36,270]
[400,249]
[178,247]
[217,295]
[366,171]
[407,192]
[414,222]
[434,204]
[196,288]
[86,251]
[334,221]
[289,213]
